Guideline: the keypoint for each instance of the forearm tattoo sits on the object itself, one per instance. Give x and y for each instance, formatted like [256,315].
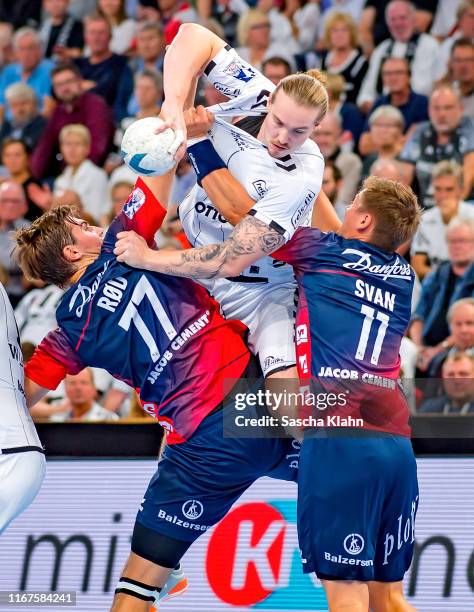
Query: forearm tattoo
[249,237]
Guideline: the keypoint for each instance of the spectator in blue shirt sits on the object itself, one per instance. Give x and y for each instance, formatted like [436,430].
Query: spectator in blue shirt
[451,281]
[105,73]
[396,81]
[30,68]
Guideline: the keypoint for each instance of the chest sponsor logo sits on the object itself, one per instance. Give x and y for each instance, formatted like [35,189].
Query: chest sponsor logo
[209,211]
[134,203]
[300,214]
[363,263]
[84,294]
[240,72]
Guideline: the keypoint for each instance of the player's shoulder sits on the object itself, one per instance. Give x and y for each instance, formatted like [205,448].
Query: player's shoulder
[309,147]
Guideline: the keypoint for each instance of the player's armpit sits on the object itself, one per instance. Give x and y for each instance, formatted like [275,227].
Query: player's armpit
[250,240]
[227,195]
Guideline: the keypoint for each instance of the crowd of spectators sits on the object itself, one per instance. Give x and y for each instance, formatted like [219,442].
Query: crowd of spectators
[400,76]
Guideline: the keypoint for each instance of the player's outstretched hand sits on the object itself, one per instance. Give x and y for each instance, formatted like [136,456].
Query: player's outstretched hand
[131,249]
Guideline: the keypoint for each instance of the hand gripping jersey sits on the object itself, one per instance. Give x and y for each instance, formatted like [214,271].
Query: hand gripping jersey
[284,189]
[16,427]
[354,308]
[160,334]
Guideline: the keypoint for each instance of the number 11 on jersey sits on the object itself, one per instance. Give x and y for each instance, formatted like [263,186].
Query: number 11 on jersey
[370,315]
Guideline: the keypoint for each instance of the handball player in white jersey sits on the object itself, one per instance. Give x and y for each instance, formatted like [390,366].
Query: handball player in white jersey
[262,137]
[22,462]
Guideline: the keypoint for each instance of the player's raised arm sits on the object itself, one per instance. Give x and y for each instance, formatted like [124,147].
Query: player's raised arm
[189,53]
[250,240]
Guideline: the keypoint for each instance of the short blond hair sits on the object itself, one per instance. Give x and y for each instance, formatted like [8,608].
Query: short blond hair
[78,130]
[395,209]
[347,20]
[248,19]
[306,88]
[448,167]
[463,7]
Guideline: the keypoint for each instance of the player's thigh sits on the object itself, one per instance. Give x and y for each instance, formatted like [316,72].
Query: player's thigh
[396,541]
[273,336]
[341,495]
[21,476]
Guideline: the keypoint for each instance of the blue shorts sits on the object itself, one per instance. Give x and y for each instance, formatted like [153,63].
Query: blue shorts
[197,481]
[357,501]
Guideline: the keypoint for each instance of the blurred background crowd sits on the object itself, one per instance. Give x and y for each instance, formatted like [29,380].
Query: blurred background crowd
[75,73]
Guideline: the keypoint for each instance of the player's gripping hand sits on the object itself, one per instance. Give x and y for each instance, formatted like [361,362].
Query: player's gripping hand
[198,122]
[131,249]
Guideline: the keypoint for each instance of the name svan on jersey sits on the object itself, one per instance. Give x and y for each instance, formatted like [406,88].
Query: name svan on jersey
[385,299]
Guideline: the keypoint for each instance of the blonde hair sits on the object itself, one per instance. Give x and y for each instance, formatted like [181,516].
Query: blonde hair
[248,19]
[386,111]
[395,208]
[78,130]
[335,84]
[448,167]
[463,7]
[348,21]
[306,88]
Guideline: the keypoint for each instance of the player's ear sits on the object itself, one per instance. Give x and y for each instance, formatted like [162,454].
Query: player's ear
[71,253]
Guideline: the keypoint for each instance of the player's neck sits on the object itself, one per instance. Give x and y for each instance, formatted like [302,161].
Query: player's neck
[85,262]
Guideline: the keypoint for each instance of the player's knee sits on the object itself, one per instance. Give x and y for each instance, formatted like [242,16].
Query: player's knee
[156,547]
[389,598]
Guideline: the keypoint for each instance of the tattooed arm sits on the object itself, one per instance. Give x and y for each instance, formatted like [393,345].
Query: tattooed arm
[250,240]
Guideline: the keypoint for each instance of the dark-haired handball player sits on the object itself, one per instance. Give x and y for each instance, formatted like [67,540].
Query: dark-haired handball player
[262,136]
[353,310]
[165,337]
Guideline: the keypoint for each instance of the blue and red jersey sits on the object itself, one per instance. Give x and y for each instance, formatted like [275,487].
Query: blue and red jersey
[160,334]
[353,310]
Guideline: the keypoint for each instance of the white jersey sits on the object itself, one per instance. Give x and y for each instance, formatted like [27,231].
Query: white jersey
[36,313]
[284,188]
[16,426]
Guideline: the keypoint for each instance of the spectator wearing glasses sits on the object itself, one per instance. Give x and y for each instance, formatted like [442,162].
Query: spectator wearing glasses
[413,106]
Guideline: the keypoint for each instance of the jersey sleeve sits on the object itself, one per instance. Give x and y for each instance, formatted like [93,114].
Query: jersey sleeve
[53,358]
[142,213]
[303,248]
[236,78]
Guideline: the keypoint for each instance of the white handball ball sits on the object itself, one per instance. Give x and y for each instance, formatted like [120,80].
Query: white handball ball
[145,152]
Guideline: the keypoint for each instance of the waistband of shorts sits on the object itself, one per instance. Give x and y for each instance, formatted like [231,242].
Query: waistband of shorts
[21,449]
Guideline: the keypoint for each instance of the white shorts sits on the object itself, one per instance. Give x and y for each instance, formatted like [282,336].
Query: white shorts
[268,310]
[21,475]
